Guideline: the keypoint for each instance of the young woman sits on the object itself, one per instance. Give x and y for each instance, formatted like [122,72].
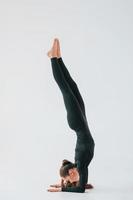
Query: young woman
[74,176]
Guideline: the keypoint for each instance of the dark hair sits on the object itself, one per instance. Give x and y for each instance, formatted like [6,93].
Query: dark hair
[66,165]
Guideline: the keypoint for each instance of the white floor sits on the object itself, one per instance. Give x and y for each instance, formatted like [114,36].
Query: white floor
[111,180]
[101,192]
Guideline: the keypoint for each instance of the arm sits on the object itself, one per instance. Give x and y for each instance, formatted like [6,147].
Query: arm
[64,186]
[74,189]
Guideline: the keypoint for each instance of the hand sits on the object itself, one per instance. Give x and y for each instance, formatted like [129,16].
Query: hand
[54,190]
[55,185]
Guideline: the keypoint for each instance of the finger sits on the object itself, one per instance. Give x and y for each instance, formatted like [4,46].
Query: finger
[50,190]
[53,186]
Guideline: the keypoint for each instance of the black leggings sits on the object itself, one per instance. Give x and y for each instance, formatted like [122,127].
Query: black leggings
[73,101]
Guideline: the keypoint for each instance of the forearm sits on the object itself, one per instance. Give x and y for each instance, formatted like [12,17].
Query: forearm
[77,189]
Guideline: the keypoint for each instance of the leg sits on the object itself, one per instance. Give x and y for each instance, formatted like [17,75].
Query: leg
[75,115]
[72,84]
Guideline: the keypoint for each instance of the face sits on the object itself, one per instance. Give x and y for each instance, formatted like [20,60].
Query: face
[73,176]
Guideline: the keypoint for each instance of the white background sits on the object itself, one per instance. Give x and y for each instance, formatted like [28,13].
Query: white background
[97,45]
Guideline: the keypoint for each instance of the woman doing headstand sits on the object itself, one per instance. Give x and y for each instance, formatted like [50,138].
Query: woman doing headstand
[74,176]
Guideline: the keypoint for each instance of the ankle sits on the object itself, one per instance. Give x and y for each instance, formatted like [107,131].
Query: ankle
[53,56]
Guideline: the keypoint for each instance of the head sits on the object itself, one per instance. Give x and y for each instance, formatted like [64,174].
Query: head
[69,172]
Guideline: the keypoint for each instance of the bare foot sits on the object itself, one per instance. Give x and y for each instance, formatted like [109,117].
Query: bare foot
[58,49]
[53,52]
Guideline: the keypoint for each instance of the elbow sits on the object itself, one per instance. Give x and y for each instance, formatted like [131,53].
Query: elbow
[82,190]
